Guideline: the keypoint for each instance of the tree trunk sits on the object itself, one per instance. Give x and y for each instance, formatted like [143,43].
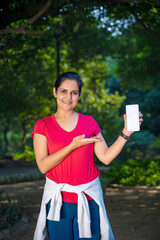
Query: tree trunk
[5,138]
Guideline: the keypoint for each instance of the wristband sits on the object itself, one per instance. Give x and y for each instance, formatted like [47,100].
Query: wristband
[126,137]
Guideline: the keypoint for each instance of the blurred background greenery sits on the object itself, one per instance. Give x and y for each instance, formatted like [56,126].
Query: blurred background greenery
[114,46]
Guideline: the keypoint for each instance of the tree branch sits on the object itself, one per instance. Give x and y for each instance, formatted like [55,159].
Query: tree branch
[155,35]
[35,17]
[22,29]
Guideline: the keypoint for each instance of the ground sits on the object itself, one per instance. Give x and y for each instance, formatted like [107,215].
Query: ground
[134,212]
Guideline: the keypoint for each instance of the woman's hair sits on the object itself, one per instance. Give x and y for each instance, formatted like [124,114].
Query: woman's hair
[71,76]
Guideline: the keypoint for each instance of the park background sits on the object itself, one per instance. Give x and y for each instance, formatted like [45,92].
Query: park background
[113,45]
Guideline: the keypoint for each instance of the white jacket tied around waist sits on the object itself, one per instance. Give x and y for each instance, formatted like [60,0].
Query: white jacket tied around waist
[52,191]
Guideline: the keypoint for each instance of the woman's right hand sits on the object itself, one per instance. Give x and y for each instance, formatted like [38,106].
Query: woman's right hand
[81,141]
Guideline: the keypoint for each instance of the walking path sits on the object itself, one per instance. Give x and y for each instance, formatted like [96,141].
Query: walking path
[134,212]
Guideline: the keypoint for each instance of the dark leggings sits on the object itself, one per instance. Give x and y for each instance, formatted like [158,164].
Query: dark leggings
[67,227]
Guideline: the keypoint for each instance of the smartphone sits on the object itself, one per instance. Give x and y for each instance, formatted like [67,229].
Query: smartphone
[132,114]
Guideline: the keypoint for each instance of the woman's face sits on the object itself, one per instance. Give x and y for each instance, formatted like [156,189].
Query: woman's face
[67,95]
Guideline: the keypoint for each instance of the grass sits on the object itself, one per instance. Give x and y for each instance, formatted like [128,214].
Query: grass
[11,211]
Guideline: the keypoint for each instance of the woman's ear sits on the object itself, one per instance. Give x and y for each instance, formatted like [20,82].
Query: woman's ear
[54,92]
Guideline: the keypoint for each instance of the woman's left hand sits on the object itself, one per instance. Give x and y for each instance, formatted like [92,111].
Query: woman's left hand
[128,133]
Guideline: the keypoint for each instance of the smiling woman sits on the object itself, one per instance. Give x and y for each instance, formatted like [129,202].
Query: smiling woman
[72,205]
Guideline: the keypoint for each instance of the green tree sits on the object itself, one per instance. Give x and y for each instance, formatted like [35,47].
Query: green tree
[39,39]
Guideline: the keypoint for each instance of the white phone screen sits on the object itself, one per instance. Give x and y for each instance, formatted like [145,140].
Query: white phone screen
[132,114]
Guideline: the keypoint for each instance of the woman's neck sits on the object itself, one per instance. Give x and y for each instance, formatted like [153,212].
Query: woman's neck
[64,115]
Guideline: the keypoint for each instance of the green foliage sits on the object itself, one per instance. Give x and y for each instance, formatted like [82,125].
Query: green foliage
[134,172]
[10,212]
[138,64]
[96,32]
[152,110]
[142,146]
[27,155]
[147,140]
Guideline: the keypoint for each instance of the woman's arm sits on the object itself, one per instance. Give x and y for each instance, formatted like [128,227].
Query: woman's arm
[107,154]
[46,162]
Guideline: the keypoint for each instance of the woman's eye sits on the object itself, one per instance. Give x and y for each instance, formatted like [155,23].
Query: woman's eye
[63,91]
[75,93]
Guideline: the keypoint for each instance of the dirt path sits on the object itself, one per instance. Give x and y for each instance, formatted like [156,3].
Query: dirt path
[134,212]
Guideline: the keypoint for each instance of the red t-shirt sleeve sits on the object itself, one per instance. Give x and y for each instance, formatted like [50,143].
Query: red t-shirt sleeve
[95,128]
[39,128]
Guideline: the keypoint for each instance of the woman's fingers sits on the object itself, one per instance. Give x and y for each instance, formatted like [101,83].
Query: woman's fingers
[80,137]
[140,118]
[92,139]
[81,140]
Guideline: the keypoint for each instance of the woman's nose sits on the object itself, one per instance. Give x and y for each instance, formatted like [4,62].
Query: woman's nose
[70,96]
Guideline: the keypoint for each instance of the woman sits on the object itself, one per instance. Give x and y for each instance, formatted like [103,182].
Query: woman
[72,204]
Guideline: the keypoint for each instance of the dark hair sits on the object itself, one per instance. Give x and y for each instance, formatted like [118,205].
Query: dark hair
[69,75]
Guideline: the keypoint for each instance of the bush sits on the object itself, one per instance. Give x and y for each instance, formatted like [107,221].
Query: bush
[10,212]
[27,155]
[134,172]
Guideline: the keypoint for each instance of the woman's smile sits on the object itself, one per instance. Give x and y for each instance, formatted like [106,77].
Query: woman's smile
[68,103]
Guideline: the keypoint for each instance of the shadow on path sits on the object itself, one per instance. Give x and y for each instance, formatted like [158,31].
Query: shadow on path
[134,212]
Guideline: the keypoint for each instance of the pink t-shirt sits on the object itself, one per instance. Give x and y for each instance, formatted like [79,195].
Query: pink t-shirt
[79,167]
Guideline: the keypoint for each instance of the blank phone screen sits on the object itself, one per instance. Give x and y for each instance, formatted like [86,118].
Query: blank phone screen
[132,113]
